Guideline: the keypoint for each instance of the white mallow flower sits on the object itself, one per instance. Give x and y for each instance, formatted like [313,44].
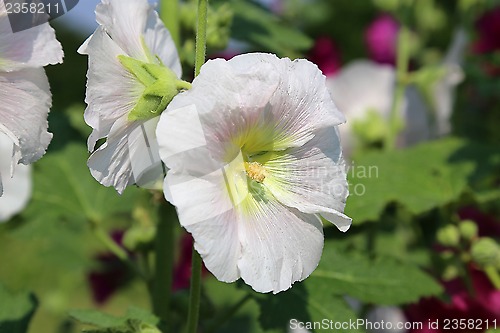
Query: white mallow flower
[364,86]
[255,163]
[132,63]
[24,92]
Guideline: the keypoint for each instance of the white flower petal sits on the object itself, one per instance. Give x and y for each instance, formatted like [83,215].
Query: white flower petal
[416,115]
[26,101]
[181,133]
[279,246]
[112,91]
[310,178]
[359,87]
[125,21]
[444,90]
[208,215]
[161,44]
[269,245]
[111,164]
[35,47]
[363,85]
[16,189]
[303,101]
[128,21]
[258,96]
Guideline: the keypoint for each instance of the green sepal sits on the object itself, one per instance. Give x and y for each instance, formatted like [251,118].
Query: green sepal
[161,85]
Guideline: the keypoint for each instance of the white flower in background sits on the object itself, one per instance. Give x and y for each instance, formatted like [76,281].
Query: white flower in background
[25,102]
[17,189]
[364,86]
[132,62]
[358,88]
[254,162]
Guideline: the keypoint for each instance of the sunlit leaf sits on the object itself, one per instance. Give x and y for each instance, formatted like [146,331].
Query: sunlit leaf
[427,176]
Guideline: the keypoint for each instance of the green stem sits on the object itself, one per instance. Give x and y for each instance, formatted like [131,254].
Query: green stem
[195,293]
[201,36]
[164,262]
[402,61]
[196,265]
[183,85]
[493,276]
[169,14]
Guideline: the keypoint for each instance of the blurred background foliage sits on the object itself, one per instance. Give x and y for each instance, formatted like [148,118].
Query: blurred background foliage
[425,230]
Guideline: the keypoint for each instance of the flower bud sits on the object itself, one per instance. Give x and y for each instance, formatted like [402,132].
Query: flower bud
[486,252]
[160,87]
[372,129]
[448,236]
[139,237]
[450,272]
[468,229]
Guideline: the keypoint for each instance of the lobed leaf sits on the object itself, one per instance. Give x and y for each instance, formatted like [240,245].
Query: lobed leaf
[421,178]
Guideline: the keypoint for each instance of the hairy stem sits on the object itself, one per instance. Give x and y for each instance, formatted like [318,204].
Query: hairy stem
[195,289]
[402,61]
[201,36]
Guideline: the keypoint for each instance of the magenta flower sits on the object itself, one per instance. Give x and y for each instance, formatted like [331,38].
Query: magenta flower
[326,55]
[381,39]
[484,305]
[481,305]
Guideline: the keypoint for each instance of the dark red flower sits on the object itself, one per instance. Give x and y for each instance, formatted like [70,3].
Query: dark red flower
[326,55]
[110,275]
[182,269]
[488,28]
[487,225]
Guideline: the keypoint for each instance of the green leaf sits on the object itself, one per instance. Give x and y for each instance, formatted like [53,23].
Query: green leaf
[308,303]
[493,330]
[136,320]
[16,311]
[382,281]
[319,300]
[65,189]
[130,326]
[253,24]
[142,315]
[223,297]
[96,318]
[421,178]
